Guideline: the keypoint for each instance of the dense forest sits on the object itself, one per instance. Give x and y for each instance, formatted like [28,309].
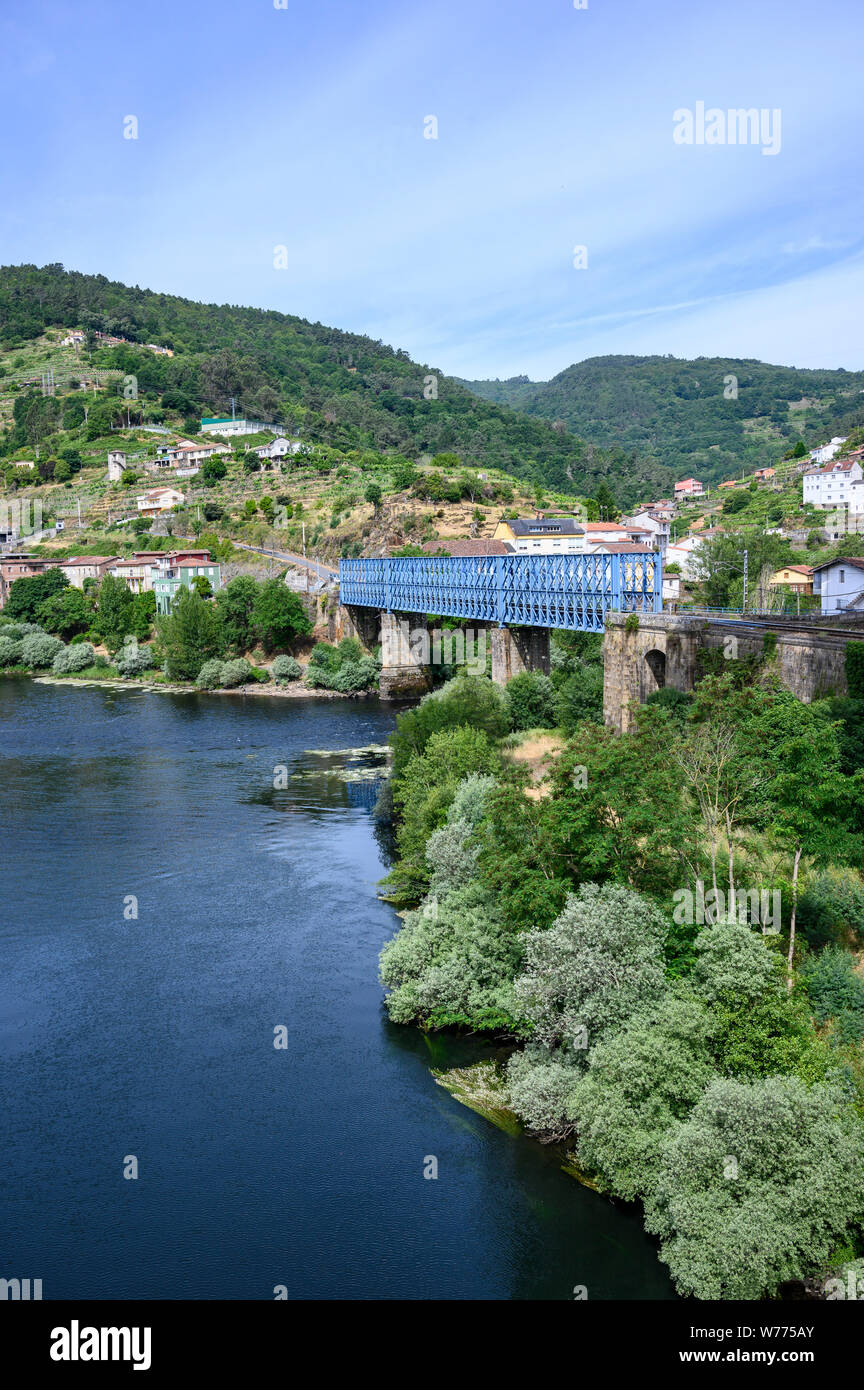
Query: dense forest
[332,387]
[688,413]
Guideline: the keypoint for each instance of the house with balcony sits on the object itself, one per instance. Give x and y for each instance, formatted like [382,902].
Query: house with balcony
[176,570]
[159,499]
[656,525]
[689,487]
[798,578]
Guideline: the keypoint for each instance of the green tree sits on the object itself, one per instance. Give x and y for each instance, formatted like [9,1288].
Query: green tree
[812,805]
[115,612]
[190,635]
[66,613]
[235,604]
[761,1183]
[26,595]
[279,619]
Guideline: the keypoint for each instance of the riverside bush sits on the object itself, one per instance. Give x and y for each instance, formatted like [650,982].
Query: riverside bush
[236,673]
[760,1184]
[133,661]
[210,675]
[10,650]
[285,669]
[38,649]
[78,657]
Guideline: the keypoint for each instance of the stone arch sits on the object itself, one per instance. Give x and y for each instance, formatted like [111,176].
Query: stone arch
[655,660]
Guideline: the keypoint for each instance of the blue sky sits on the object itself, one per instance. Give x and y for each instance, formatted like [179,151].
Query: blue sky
[303,127]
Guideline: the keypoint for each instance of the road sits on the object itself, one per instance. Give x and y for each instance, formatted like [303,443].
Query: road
[324,572]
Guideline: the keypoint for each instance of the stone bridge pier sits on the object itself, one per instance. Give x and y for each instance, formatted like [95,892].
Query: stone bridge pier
[409,648]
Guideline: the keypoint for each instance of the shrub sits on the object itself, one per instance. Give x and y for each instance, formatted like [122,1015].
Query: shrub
[260,674]
[832,908]
[210,675]
[39,650]
[134,661]
[236,673]
[10,651]
[452,963]
[285,669]
[584,975]
[75,658]
[531,698]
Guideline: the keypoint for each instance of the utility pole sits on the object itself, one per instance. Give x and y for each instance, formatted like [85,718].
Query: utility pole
[746,561]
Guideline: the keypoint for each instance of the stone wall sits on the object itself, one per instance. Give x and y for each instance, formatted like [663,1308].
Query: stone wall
[665,649]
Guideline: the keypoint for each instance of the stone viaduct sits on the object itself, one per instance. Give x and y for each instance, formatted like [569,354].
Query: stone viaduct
[642,652]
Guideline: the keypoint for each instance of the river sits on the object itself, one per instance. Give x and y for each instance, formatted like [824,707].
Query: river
[151,1037]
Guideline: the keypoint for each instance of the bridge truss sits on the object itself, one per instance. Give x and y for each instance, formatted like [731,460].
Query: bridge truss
[562,591]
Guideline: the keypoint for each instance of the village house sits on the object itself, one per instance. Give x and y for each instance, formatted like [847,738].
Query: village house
[625,535]
[158,500]
[23,463]
[764,475]
[278,449]
[829,486]
[542,534]
[690,487]
[799,578]
[683,554]
[82,567]
[19,565]
[176,570]
[826,452]
[840,584]
[654,523]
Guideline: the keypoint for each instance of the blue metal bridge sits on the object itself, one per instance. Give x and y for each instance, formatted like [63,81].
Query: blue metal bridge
[565,591]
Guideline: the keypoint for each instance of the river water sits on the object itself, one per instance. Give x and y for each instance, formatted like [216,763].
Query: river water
[149,1039]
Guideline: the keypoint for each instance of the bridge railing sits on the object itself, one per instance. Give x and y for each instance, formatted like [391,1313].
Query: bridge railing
[562,591]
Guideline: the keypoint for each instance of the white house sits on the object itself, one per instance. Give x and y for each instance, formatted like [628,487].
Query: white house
[826,452]
[840,584]
[656,525]
[159,499]
[279,448]
[829,486]
[683,553]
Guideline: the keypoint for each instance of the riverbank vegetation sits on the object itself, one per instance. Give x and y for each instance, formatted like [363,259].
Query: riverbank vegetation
[669,934]
[247,634]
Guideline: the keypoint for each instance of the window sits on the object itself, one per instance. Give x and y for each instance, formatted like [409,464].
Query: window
[842,576]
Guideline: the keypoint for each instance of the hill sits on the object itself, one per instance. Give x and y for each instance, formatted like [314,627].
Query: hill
[684,413]
[331,387]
